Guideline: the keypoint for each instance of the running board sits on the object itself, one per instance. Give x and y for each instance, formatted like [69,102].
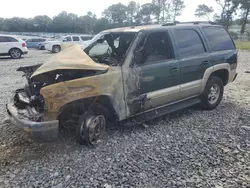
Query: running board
[167,109]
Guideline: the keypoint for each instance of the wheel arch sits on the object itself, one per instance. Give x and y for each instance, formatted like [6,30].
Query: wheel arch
[221,70]
[101,104]
[15,48]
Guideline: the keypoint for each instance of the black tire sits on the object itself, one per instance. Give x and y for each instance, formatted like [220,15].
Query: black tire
[56,49]
[15,53]
[206,100]
[42,48]
[84,129]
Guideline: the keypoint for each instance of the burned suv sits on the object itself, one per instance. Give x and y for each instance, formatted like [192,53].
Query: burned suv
[137,73]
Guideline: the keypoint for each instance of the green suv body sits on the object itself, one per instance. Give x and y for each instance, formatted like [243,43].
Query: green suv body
[129,73]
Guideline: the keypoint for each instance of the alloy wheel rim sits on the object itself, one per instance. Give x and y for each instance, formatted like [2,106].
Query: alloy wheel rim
[214,94]
[15,53]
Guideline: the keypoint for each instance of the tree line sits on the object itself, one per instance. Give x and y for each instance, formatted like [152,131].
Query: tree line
[229,9]
[119,15]
[116,15]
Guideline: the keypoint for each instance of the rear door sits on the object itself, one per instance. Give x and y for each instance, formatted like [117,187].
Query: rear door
[194,58]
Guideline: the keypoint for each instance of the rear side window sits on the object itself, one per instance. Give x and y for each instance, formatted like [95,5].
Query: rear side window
[219,38]
[86,38]
[11,39]
[3,39]
[7,39]
[189,42]
[75,38]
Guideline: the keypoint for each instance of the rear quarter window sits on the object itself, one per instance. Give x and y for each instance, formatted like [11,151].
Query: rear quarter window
[219,38]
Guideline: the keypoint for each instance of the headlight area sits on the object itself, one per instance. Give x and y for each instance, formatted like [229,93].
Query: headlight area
[28,113]
[32,107]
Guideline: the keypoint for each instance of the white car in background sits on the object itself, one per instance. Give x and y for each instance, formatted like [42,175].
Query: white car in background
[12,46]
[55,46]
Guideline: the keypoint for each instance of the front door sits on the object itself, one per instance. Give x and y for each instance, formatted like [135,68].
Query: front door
[157,72]
[4,45]
[194,59]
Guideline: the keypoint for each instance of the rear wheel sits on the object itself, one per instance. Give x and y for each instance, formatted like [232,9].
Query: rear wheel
[90,128]
[213,93]
[15,53]
[56,49]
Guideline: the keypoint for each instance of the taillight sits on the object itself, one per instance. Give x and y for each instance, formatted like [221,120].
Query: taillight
[24,44]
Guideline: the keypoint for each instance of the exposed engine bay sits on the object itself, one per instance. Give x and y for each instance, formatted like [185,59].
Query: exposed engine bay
[29,99]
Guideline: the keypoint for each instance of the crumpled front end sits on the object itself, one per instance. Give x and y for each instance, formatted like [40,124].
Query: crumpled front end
[29,114]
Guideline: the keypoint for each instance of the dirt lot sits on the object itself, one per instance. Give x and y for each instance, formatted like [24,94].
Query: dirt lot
[191,148]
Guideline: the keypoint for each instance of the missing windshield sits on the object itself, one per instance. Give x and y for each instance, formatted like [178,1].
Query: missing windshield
[110,48]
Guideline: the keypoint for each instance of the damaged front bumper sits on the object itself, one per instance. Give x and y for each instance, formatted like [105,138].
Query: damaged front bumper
[38,131]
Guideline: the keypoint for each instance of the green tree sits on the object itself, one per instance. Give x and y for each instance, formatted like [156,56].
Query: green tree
[204,11]
[100,25]
[146,12]
[42,23]
[158,7]
[245,8]
[132,10]
[228,9]
[177,7]
[116,13]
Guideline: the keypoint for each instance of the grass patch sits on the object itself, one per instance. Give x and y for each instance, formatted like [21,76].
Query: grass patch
[242,45]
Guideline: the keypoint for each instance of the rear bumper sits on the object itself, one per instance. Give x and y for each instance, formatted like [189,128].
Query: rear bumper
[25,52]
[39,131]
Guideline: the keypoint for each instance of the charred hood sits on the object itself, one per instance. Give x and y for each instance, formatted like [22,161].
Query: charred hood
[72,57]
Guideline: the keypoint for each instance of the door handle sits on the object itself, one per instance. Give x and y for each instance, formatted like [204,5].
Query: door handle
[174,69]
[206,62]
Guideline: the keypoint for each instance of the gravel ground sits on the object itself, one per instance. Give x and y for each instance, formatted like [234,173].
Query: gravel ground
[191,148]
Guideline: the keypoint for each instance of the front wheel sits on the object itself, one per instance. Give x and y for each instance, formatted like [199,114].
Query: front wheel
[90,128]
[56,49]
[212,94]
[15,53]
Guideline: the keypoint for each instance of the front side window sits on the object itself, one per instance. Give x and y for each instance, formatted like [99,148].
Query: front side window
[75,38]
[67,39]
[3,39]
[154,47]
[219,38]
[189,42]
[11,39]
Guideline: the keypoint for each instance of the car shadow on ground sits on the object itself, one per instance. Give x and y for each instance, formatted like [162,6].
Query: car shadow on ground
[6,58]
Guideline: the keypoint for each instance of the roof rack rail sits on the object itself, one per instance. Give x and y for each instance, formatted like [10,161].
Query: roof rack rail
[194,22]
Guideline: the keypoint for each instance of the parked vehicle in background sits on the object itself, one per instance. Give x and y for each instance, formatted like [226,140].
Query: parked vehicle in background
[55,46]
[12,46]
[33,42]
[41,45]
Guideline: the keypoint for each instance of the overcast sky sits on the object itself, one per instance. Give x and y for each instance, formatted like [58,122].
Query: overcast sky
[31,8]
